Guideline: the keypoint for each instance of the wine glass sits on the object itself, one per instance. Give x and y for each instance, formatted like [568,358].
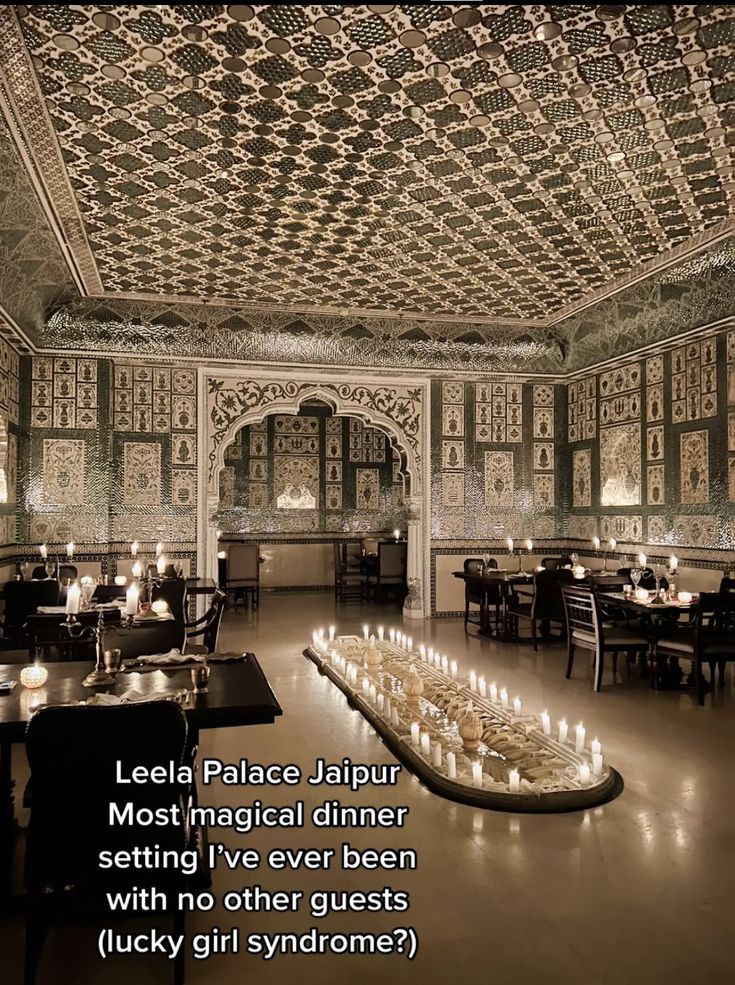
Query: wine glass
[575,558]
[485,560]
[635,577]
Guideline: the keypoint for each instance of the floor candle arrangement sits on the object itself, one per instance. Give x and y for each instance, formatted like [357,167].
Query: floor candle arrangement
[465,738]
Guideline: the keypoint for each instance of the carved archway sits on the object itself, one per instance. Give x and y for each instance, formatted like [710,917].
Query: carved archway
[232,402]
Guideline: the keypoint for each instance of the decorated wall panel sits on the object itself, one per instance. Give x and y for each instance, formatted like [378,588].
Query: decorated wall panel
[9,431]
[310,472]
[659,469]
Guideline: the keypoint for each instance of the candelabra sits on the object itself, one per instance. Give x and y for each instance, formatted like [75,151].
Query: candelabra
[98,677]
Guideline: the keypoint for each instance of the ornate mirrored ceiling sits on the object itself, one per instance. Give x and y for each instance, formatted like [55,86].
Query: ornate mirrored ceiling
[486,162]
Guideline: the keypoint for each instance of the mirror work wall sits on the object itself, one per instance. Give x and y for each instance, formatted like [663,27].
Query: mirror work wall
[310,472]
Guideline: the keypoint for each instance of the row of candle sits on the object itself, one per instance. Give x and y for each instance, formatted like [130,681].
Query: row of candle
[70,548]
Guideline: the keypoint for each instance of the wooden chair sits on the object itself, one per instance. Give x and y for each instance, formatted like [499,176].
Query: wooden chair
[145,638]
[173,592]
[586,630]
[50,640]
[243,572]
[710,638]
[552,563]
[108,593]
[208,626]
[391,573]
[22,599]
[546,606]
[72,752]
[475,591]
[349,583]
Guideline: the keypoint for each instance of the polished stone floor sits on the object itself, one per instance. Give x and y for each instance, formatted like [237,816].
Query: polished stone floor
[638,891]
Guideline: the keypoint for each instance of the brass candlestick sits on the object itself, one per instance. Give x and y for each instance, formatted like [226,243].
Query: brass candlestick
[98,677]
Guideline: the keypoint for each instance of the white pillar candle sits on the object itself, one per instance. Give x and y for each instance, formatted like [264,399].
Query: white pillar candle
[597,763]
[529,545]
[430,654]
[320,632]
[445,665]
[159,549]
[437,660]
[453,668]
[514,781]
[595,746]
[44,552]
[584,774]
[516,706]
[381,633]
[70,549]
[392,635]
[509,542]
[596,543]
[365,631]
[380,703]
[372,639]
[365,687]
[387,708]
[331,634]
[415,732]
[563,730]
[612,543]
[477,775]
[73,594]
[579,734]
[673,564]
[373,695]
[425,744]
[473,681]
[137,570]
[642,560]
[422,652]
[482,686]
[397,533]
[436,754]
[493,692]
[132,597]
[546,722]
[161,565]
[395,718]
[314,637]
[451,766]
[504,698]
[134,548]
[409,644]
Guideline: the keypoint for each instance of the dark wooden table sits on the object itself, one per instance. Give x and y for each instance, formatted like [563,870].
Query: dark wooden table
[505,581]
[239,694]
[200,586]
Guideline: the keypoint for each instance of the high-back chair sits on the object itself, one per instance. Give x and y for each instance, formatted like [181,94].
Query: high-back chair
[711,639]
[68,572]
[349,582]
[586,631]
[22,598]
[72,751]
[144,639]
[208,626]
[243,571]
[476,592]
[370,545]
[108,593]
[545,607]
[391,573]
[173,592]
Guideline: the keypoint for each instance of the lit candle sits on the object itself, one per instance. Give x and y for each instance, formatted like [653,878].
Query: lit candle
[422,652]
[73,595]
[579,734]
[365,687]
[131,600]
[596,543]
[372,641]
[673,564]
[381,702]
[320,632]
[381,633]
[514,781]
[529,545]
[437,660]
[597,763]
[34,676]
[331,634]
[509,542]
[395,718]
[493,692]
[70,549]
[504,698]
[397,533]
[595,746]
[365,631]
[445,665]
[451,766]
[642,560]
[612,543]
[159,549]
[436,754]
[44,552]
[546,722]
[453,668]
[516,706]
[563,730]
[430,654]
[584,774]
[482,686]
[477,775]
[392,635]
[161,564]
[415,732]
[134,547]
[409,644]
[425,744]
[387,708]
[473,681]
[373,695]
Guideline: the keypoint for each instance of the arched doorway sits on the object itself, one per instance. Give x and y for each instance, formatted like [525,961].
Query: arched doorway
[231,401]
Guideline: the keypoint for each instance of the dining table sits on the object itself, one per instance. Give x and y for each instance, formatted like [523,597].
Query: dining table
[506,581]
[238,694]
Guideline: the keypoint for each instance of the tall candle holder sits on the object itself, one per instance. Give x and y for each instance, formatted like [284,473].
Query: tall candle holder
[98,677]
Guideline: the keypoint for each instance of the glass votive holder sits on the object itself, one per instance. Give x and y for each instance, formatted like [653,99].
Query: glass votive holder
[33,676]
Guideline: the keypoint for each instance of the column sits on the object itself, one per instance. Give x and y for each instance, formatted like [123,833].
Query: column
[413,606]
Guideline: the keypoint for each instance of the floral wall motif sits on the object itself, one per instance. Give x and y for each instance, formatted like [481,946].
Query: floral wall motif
[63,471]
[620,465]
[9,437]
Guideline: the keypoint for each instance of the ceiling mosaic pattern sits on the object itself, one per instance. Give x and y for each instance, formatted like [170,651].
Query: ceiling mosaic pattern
[488,162]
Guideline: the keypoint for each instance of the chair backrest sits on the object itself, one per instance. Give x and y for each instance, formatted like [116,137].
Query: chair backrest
[609,583]
[547,601]
[551,563]
[353,555]
[22,598]
[338,559]
[243,563]
[107,593]
[40,573]
[580,609]
[474,566]
[727,584]
[370,545]
[715,618]
[72,751]
[210,635]
[392,560]
[143,639]
[172,591]
[68,571]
